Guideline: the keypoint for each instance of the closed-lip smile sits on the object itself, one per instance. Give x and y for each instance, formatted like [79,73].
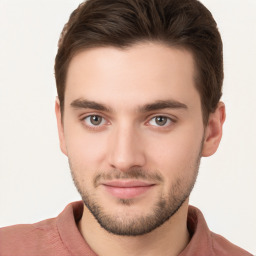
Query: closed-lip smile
[127,189]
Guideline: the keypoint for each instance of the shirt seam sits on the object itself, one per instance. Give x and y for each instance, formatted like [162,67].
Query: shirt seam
[65,246]
[212,245]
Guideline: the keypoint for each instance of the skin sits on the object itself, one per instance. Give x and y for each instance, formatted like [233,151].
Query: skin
[130,138]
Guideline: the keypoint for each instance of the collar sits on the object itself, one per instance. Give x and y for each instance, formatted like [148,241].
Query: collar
[200,243]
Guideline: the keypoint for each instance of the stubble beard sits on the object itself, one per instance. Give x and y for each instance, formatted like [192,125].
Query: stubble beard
[163,209]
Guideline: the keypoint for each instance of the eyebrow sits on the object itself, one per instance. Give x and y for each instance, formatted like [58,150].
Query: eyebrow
[163,104]
[157,105]
[83,103]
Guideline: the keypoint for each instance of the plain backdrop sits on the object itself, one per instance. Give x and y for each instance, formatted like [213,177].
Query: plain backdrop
[35,181]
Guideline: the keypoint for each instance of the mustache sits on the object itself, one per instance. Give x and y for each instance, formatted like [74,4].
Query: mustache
[134,174]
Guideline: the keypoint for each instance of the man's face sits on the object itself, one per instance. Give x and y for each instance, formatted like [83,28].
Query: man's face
[133,133]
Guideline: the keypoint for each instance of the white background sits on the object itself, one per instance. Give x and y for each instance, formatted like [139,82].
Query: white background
[35,181]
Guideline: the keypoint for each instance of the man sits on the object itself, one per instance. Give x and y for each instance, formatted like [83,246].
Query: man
[139,86]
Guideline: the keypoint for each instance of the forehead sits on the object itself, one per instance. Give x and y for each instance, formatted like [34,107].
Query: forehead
[132,76]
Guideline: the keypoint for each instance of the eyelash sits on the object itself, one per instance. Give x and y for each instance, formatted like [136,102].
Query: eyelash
[169,121]
[98,127]
[93,127]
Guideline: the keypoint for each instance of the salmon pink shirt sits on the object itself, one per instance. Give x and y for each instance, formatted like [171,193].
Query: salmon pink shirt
[61,237]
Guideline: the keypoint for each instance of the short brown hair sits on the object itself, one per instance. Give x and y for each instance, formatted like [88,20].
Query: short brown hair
[185,24]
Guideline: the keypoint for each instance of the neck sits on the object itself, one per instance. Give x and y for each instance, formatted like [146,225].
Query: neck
[169,239]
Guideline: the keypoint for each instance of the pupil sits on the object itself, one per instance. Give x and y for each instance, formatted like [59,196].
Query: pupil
[96,120]
[161,120]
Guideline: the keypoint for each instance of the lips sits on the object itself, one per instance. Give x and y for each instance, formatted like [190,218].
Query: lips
[127,189]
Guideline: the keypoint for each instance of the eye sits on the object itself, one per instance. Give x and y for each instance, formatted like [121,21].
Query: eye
[160,121]
[94,121]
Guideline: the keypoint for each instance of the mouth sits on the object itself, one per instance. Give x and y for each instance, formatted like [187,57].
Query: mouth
[127,189]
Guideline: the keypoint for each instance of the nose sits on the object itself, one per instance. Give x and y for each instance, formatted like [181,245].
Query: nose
[126,149]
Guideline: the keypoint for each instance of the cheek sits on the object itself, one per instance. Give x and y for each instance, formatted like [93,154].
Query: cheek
[86,150]
[176,152]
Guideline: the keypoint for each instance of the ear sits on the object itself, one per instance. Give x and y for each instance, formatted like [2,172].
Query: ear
[213,131]
[60,127]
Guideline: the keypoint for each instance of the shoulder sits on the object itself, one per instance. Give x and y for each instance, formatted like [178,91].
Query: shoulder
[31,239]
[221,246]
[206,242]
